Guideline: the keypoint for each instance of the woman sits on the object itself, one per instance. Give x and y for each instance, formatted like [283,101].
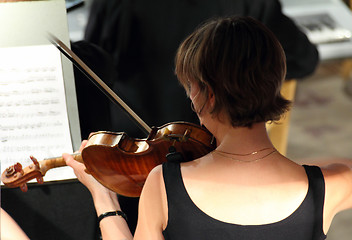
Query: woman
[232,69]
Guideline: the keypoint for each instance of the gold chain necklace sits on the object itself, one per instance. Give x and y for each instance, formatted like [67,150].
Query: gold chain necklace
[225,154]
[246,154]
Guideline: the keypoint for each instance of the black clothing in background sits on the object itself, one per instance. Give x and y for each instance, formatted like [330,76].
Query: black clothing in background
[143,36]
[93,105]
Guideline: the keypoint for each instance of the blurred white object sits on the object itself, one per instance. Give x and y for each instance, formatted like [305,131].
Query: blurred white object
[327,23]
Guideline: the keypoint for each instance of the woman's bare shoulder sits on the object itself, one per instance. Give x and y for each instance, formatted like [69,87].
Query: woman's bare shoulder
[338,182]
[155,181]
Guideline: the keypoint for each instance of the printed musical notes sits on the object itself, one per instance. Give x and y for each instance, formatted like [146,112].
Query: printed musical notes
[33,115]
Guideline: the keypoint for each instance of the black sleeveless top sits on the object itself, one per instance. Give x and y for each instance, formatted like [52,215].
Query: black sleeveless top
[187,221]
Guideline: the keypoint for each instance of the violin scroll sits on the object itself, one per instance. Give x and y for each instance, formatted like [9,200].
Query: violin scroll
[15,175]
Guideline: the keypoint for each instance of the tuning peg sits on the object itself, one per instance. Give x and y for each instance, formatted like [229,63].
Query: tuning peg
[13,170]
[40,180]
[24,187]
[18,168]
[35,161]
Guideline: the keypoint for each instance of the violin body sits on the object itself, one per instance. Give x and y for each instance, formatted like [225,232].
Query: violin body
[122,163]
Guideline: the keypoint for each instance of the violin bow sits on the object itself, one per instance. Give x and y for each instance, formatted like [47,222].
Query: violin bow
[98,82]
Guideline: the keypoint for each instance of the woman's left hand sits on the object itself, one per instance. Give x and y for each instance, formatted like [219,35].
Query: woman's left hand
[86,179]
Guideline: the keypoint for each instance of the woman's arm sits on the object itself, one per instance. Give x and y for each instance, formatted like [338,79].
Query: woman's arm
[338,185]
[152,213]
[151,216]
[10,229]
[338,182]
[105,200]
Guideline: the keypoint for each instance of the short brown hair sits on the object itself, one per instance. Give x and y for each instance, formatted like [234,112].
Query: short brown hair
[242,62]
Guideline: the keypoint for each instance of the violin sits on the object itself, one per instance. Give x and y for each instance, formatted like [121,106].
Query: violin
[117,161]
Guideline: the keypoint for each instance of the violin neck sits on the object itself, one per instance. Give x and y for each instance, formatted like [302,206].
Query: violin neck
[50,163]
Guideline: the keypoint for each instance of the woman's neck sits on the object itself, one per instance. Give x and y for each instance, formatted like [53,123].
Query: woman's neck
[242,139]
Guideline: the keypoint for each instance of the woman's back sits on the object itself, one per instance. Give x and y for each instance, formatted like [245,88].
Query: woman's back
[244,200]
[253,193]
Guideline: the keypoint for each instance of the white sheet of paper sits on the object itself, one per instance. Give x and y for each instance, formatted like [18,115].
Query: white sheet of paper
[33,115]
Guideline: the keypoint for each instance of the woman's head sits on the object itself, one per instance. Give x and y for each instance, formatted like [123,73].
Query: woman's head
[242,63]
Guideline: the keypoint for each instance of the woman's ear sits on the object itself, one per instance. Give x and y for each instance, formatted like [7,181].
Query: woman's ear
[211,97]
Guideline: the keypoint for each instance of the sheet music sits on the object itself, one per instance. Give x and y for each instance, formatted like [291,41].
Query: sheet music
[33,115]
